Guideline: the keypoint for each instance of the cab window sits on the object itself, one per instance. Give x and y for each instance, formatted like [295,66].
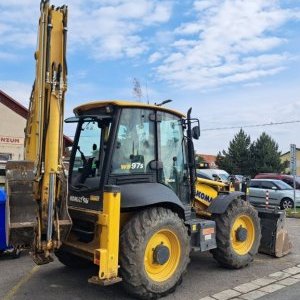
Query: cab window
[172,152]
[90,153]
[134,146]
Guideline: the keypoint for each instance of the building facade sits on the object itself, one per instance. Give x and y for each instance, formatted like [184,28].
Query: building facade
[286,158]
[206,161]
[13,117]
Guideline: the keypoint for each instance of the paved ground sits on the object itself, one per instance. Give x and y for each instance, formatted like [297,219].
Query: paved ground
[21,280]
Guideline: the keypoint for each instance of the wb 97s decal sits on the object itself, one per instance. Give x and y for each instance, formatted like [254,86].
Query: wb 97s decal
[80,199]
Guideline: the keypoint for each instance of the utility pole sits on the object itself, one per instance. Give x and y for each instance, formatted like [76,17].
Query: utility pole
[293,168]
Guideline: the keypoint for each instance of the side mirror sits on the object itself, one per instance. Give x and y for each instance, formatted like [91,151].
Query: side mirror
[196,132]
[216,177]
[274,188]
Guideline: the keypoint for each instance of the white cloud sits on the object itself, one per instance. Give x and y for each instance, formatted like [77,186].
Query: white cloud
[102,29]
[228,42]
[154,57]
[204,4]
[113,30]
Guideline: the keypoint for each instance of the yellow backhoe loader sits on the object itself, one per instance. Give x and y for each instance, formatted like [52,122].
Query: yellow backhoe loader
[131,203]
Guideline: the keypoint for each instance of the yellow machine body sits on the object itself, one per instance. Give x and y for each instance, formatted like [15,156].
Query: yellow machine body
[206,192]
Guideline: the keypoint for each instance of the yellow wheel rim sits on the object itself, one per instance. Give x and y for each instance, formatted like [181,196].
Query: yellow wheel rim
[161,272]
[242,222]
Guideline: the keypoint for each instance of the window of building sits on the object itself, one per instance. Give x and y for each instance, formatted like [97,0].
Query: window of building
[5,156]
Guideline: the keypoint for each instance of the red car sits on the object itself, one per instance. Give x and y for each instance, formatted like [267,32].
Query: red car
[286,178]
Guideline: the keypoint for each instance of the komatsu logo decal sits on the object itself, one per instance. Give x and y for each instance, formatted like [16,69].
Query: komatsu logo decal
[80,199]
[204,196]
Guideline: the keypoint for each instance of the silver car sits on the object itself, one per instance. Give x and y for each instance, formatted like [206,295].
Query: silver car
[280,193]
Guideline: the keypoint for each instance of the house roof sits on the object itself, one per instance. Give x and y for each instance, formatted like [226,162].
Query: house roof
[208,158]
[14,105]
[297,149]
[22,111]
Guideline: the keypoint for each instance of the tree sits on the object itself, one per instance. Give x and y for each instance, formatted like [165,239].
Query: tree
[265,156]
[237,158]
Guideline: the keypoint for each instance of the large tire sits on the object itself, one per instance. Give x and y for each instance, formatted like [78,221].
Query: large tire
[71,260]
[141,238]
[235,248]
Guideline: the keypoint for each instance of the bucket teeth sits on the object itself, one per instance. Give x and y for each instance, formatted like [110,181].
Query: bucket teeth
[41,258]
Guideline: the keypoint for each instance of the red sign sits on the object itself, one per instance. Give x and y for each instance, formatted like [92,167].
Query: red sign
[11,140]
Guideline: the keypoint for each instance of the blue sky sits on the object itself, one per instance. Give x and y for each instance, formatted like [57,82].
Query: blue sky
[235,62]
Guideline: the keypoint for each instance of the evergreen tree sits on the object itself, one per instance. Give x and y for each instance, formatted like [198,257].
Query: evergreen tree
[237,158]
[265,156]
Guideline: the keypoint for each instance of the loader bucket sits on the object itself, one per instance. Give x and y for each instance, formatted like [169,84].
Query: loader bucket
[21,208]
[275,239]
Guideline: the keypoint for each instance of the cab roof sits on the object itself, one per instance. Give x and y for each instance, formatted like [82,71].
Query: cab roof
[122,103]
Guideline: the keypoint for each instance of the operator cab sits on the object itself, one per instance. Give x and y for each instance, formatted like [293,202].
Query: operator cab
[125,143]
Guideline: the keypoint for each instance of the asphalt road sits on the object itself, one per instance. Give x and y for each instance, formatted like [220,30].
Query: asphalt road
[20,279]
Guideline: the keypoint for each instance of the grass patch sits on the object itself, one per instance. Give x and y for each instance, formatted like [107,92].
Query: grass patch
[290,213]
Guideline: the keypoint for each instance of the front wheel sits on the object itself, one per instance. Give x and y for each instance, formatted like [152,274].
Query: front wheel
[154,253]
[286,203]
[238,235]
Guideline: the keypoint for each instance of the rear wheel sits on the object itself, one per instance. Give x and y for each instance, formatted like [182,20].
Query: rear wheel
[71,260]
[238,235]
[286,203]
[154,253]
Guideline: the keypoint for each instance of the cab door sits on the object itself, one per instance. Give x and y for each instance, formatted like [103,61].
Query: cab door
[172,155]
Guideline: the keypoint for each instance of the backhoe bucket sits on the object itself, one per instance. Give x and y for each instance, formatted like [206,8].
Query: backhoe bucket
[21,208]
[275,239]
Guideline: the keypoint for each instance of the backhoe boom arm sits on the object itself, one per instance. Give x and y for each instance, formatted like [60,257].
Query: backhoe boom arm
[41,174]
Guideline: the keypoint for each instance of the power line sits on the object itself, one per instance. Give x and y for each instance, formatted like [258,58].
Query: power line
[239,127]
[251,126]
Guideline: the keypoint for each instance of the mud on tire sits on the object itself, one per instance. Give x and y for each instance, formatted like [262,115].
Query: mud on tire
[133,245]
[225,254]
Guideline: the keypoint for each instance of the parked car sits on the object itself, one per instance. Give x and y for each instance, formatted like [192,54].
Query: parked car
[280,193]
[239,178]
[213,174]
[286,178]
